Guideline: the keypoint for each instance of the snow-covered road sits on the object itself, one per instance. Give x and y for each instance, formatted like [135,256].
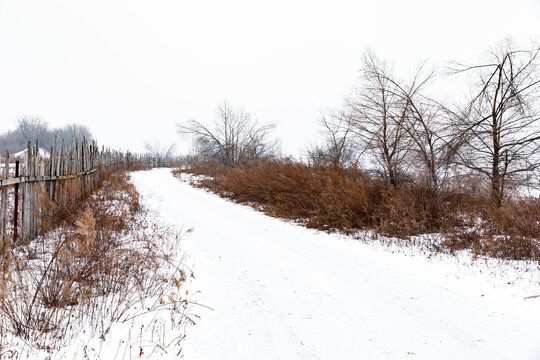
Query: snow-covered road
[280,291]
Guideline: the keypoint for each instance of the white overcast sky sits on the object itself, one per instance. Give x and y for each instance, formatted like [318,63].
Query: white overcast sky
[132,69]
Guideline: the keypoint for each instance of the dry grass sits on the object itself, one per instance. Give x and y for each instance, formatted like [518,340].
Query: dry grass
[333,199]
[509,232]
[102,261]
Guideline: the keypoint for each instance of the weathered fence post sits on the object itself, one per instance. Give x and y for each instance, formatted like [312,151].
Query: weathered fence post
[4,204]
[52,169]
[16,205]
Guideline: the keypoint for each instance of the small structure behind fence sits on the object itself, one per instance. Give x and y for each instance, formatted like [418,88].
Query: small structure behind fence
[25,186]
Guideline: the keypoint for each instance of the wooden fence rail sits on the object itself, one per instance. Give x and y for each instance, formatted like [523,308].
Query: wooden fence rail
[27,184]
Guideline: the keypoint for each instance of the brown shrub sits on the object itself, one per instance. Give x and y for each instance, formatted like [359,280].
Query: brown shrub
[327,198]
[511,231]
[323,197]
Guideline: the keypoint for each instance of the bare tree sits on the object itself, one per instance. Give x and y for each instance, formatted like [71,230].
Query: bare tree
[235,137]
[338,149]
[159,152]
[74,131]
[32,128]
[500,124]
[377,116]
[425,124]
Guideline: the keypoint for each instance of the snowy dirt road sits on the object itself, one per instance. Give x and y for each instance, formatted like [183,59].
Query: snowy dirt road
[280,291]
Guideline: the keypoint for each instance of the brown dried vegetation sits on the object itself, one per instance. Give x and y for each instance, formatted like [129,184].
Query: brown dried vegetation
[102,258]
[349,200]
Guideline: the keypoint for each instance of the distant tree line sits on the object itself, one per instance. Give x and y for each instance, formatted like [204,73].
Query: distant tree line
[35,128]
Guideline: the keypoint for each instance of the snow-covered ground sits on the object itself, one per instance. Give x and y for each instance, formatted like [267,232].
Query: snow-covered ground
[280,291]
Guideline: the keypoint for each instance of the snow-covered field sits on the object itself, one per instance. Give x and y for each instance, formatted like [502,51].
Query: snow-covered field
[280,291]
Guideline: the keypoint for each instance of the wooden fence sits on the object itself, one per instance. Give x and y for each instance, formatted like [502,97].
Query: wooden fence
[27,184]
